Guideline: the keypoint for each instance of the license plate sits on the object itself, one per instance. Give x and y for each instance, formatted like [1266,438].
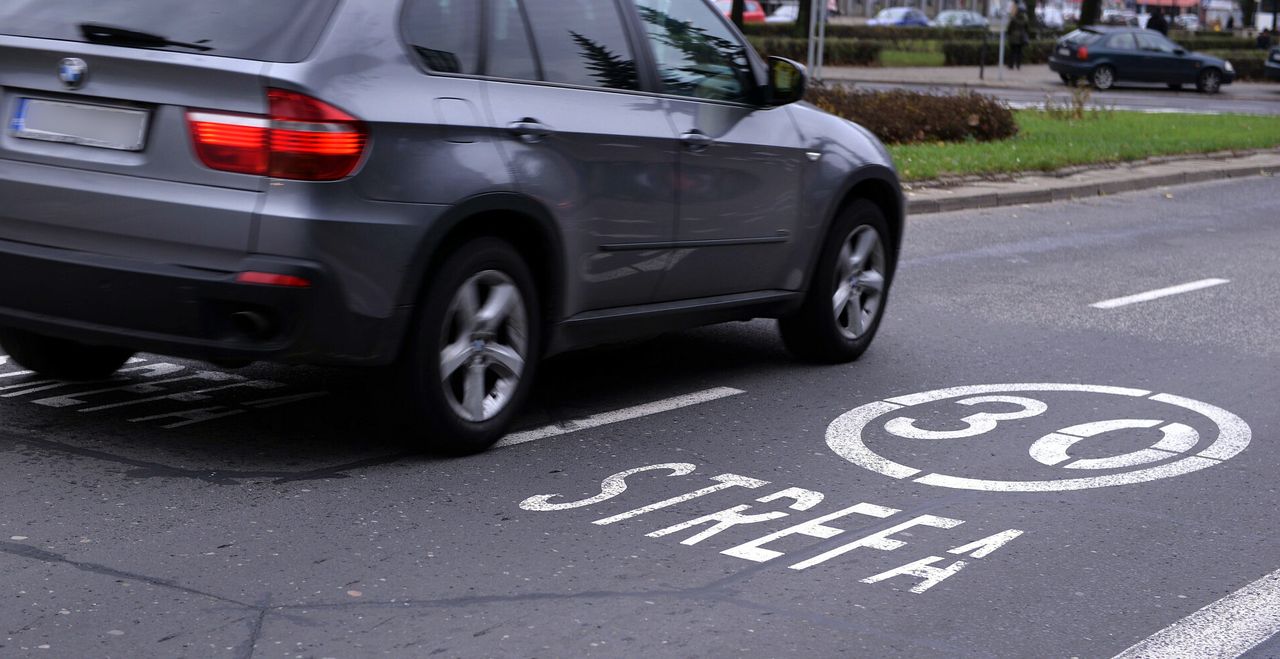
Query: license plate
[1065,52]
[98,126]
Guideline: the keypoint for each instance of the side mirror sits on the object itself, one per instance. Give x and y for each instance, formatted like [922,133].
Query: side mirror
[787,81]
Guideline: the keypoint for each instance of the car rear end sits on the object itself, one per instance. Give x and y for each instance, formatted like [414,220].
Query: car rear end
[1071,56]
[142,142]
[1273,64]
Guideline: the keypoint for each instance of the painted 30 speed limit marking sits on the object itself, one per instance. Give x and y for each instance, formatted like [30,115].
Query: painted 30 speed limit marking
[982,411]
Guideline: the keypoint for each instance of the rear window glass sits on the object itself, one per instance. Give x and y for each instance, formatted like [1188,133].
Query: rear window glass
[1081,37]
[266,30]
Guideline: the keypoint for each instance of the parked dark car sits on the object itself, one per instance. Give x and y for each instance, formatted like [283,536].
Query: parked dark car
[447,190]
[900,17]
[1273,64]
[1104,56]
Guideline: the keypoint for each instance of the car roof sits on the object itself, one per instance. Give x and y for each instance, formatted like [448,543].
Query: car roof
[1110,29]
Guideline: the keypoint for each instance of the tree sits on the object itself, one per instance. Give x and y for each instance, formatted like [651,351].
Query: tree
[802,18]
[1248,8]
[739,8]
[1031,14]
[1090,11]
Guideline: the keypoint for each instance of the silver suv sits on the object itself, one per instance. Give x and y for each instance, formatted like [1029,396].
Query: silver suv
[451,189]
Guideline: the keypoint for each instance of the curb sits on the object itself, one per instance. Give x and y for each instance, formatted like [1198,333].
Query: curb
[1080,190]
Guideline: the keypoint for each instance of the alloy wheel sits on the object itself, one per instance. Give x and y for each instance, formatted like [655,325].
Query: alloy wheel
[860,282]
[484,346]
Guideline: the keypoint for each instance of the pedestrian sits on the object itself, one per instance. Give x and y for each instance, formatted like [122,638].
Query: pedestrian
[1019,35]
[1264,40]
[1157,23]
[1231,23]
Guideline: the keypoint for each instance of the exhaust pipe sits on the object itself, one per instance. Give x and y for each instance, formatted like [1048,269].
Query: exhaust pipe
[252,324]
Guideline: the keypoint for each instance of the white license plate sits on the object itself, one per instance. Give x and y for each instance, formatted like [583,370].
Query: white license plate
[99,126]
[1065,52]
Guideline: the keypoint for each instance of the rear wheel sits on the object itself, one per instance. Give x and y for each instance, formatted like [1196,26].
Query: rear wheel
[61,359]
[1209,81]
[848,292]
[1103,77]
[470,362]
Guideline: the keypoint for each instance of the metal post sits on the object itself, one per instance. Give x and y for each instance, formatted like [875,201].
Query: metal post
[822,39]
[813,25]
[1004,28]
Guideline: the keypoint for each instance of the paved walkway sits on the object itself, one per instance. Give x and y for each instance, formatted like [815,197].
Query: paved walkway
[1041,188]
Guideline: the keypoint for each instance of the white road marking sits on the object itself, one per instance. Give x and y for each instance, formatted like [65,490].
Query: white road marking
[1159,293]
[1228,627]
[625,414]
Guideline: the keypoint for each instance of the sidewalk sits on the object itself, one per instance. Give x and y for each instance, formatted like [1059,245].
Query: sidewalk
[1095,182]
[1033,77]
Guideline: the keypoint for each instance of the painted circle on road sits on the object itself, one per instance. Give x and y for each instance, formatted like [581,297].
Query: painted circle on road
[845,436]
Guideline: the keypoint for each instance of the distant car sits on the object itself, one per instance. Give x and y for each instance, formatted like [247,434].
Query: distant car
[1105,55]
[754,12]
[900,17]
[789,13]
[1122,17]
[1188,22]
[1050,17]
[1273,64]
[960,18]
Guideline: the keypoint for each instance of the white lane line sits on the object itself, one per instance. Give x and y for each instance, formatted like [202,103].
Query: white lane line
[1229,627]
[625,414]
[1159,293]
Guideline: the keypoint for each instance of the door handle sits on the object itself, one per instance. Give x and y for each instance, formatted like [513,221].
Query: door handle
[697,141]
[529,131]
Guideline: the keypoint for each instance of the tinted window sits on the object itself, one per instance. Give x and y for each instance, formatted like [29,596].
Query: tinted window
[510,54]
[1081,37]
[1154,42]
[1122,42]
[582,42]
[445,34]
[267,30]
[695,52]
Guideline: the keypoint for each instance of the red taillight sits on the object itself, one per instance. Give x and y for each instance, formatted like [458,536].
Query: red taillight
[302,138]
[1083,53]
[272,279]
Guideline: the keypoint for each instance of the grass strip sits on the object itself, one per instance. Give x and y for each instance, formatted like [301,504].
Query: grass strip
[1045,144]
[911,58]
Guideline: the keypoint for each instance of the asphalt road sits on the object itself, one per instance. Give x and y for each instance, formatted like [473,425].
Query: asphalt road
[192,511]
[1257,99]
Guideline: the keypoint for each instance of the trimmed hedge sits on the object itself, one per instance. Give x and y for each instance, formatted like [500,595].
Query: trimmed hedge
[905,117]
[866,32]
[838,52]
[1218,43]
[969,53]
[1250,65]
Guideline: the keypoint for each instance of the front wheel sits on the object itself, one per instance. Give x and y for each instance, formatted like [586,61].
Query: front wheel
[1209,81]
[61,359]
[470,362]
[848,291]
[1103,77]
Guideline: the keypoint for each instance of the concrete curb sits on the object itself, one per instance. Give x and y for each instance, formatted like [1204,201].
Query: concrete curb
[1075,190]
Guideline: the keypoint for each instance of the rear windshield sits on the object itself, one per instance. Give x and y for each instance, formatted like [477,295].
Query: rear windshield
[1082,37]
[265,30]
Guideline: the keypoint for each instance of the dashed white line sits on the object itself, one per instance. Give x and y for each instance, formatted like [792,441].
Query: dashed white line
[1228,627]
[625,414]
[1159,293]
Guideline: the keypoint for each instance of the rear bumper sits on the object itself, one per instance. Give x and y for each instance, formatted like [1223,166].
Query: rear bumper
[186,311]
[1070,67]
[1272,70]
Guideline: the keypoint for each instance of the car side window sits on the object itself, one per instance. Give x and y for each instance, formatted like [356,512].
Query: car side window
[1122,42]
[696,53]
[1153,42]
[510,53]
[445,34]
[582,42]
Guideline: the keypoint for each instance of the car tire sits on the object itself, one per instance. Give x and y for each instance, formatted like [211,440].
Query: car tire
[61,359]
[1209,81]
[1103,77]
[1175,86]
[847,292]
[470,361]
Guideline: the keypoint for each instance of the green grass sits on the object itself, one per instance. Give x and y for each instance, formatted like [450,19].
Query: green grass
[911,58]
[1045,144]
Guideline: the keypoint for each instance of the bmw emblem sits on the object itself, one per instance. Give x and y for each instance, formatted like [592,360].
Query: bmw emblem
[72,71]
